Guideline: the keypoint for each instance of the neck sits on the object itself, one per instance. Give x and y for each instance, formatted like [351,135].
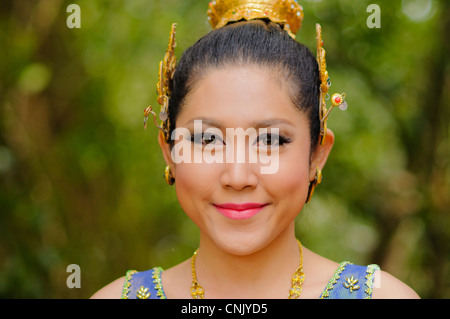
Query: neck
[265,273]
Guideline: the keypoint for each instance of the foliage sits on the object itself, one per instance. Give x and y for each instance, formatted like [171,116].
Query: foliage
[82,183]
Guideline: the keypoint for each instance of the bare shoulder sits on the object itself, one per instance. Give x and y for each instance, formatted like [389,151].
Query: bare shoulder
[387,286]
[111,291]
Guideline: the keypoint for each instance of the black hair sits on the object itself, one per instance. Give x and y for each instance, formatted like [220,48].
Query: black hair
[255,42]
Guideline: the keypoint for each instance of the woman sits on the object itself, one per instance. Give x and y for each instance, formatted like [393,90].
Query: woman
[249,76]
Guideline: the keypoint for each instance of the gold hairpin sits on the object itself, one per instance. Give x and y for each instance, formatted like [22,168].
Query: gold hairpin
[166,70]
[337,99]
[287,13]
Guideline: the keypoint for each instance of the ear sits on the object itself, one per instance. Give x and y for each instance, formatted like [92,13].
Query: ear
[165,148]
[320,155]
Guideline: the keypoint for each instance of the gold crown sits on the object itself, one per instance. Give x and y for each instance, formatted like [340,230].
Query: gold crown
[287,13]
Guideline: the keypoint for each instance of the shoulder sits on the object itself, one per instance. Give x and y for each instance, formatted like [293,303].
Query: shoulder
[111,291]
[387,286]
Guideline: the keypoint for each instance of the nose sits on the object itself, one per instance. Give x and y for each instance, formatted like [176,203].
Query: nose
[239,176]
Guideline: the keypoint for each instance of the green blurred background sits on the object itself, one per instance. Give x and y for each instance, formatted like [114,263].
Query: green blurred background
[82,183]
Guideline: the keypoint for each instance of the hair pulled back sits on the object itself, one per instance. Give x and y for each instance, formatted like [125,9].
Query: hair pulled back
[256,43]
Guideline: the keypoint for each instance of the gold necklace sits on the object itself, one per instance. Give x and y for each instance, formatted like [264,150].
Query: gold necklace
[197,291]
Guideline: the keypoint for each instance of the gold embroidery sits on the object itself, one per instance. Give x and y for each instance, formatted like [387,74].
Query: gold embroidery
[127,283]
[334,279]
[370,280]
[143,293]
[156,275]
[351,283]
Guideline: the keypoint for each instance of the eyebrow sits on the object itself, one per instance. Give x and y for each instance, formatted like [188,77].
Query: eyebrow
[255,124]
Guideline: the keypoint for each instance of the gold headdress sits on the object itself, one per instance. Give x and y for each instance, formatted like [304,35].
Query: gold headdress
[337,99]
[166,70]
[287,13]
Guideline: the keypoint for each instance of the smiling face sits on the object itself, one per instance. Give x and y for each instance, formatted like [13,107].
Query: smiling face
[234,205]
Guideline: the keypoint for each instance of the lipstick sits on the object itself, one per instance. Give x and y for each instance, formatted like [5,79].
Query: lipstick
[239,210]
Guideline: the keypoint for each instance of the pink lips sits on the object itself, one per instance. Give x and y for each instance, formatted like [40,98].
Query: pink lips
[239,210]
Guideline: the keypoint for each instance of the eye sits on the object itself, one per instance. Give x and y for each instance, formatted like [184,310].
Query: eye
[206,139]
[268,140]
[271,140]
[209,138]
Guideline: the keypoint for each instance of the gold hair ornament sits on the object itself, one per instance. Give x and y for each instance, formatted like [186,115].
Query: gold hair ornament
[337,99]
[166,70]
[287,13]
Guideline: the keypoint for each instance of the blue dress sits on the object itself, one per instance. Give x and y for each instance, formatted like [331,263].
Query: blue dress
[348,282]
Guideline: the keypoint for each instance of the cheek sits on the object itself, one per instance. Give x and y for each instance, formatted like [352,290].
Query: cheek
[290,184]
[185,178]
[194,184]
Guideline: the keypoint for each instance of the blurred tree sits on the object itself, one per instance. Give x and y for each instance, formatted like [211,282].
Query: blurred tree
[81,182]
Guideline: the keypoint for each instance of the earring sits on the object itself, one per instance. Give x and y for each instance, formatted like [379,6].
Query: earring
[168,176]
[312,185]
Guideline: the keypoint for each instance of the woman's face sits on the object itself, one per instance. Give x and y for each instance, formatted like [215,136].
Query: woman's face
[237,205]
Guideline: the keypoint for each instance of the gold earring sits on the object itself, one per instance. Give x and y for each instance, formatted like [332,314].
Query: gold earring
[312,185]
[168,176]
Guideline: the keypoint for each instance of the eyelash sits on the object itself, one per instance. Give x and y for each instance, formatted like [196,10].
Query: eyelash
[281,139]
[196,137]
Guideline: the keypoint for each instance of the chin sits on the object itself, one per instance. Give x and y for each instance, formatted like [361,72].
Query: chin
[239,243]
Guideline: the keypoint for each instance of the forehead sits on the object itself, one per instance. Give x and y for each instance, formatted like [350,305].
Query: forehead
[241,96]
